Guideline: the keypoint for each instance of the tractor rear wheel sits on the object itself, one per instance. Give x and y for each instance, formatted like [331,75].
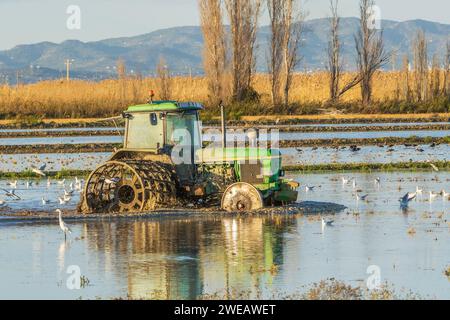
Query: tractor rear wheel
[129,186]
[242,197]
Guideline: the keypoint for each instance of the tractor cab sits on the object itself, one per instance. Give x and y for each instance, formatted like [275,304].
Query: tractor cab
[161,125]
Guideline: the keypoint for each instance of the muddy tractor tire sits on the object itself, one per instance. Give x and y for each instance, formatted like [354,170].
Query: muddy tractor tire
[129,186]
[242,197]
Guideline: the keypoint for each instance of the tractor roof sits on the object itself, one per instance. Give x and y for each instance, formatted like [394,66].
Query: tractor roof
[166,106]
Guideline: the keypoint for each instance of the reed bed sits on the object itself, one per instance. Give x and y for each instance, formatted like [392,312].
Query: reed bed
[81,99]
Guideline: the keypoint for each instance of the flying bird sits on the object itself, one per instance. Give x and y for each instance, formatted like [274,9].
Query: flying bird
[12,184]
[112,180]
[12,194]
[435,168]
[39,171]
[406,199]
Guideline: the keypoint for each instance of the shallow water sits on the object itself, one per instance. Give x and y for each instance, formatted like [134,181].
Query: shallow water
[367,154]
[55,161]
[63,129]
[184,258]
[296,136]
[291,156]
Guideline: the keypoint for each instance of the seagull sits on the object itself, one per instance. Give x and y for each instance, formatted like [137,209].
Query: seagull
[63,200]
[63,225]
[378,180]
[418,190]
[444,194]
[433,195]
[61,182]
[363,198]
[308,188]
[40,170]
[68,193]
[12,184]
[45,202]
[12,194]
[406,199]
[433,166]
[354,183]
[326,223]
[112,180]
[29,184]
[344,180]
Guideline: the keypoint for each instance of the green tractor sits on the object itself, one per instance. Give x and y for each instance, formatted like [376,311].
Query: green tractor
[163,164]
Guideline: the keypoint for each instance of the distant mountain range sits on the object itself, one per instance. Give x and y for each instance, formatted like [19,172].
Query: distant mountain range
[182,49]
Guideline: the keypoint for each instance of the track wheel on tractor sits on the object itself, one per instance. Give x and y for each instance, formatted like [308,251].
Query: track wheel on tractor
[129,186]
[242,197]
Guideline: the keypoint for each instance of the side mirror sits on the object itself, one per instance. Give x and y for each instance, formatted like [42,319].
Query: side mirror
[126,115]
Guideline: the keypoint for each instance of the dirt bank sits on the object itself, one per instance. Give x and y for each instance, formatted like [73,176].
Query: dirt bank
[243,121]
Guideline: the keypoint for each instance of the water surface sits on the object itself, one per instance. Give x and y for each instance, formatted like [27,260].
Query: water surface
[188,257]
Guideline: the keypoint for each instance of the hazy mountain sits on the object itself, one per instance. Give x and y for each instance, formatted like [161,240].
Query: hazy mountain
[182,48]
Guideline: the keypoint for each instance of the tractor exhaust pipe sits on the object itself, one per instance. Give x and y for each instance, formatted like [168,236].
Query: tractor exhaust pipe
[224,127]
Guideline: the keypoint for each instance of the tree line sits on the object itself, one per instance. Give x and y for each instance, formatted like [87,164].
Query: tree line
[229,62]
[229,30]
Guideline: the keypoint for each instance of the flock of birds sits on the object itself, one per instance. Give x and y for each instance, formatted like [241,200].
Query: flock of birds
[404,201]
[68,191]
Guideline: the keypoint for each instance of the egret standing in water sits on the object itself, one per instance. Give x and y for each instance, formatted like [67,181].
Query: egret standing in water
[63,225]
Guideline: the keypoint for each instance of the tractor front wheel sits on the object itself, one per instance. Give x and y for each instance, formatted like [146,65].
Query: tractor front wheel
[242,197]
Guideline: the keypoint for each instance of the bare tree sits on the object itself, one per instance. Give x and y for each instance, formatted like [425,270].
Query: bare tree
[334,51]
[293,17]
[435,81]
[164,79]
[243,16]
[371,54]
[121,75]
[421,66]
[121,69]
[446,85]
[214,51]
[275,63]
[406,79]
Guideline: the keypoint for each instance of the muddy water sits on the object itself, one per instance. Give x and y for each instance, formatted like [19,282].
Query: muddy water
[184,258]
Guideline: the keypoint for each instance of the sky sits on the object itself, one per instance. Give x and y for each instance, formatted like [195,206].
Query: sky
[31,21]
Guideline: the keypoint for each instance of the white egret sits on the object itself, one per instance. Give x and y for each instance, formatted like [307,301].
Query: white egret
[64,227]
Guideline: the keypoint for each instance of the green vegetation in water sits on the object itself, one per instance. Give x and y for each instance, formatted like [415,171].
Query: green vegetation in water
[367,167]
[329,289]
[363,167]
[28,174]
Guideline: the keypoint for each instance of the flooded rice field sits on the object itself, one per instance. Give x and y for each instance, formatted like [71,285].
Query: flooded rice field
[266,256]
[292,156]
[292,136]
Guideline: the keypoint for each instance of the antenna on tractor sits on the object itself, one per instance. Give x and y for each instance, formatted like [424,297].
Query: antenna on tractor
[223,121]
[151,94]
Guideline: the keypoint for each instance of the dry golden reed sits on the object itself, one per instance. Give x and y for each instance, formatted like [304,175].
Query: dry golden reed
[61,99]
